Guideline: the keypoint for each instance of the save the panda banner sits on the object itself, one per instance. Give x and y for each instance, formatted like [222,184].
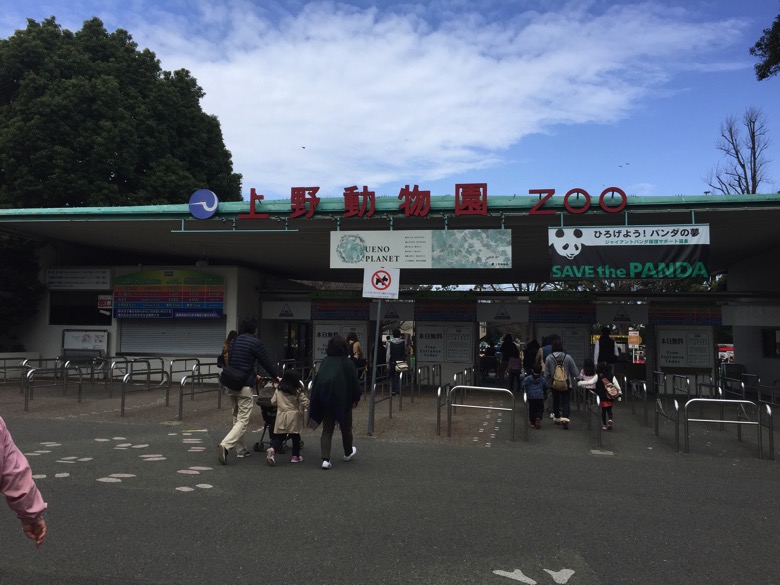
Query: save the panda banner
[629,252]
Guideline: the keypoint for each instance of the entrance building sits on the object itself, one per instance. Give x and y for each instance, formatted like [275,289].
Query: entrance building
[156,280]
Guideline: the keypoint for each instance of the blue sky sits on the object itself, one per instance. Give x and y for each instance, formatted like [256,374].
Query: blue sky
[520,94]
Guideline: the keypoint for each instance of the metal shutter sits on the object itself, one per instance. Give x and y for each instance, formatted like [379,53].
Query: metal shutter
[172,337]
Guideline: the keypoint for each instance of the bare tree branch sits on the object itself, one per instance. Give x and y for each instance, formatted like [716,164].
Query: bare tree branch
[744,144]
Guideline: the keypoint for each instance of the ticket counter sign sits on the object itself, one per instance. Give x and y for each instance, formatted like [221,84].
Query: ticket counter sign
[680,348]
[169,294]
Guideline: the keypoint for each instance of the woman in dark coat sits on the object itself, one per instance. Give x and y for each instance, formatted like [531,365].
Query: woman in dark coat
[335,392]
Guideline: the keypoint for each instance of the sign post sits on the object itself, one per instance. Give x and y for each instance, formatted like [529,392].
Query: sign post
[378,283]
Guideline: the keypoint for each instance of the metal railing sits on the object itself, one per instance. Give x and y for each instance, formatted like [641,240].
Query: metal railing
[594,410]
[478,390]
[16,368]
[127,380]
[28,382]
[637,390]
[668,408]
[173,368]
[741,419]
[199,378]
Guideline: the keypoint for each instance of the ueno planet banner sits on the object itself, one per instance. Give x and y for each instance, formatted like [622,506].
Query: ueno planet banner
[629,252]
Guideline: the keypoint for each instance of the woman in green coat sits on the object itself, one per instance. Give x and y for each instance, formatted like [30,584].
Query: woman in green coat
[336,391]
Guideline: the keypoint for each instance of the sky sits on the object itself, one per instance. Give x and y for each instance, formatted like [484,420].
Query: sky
[518,94]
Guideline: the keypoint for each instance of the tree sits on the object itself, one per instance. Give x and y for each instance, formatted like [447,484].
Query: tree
[745,145]
[86,119]
[768,50]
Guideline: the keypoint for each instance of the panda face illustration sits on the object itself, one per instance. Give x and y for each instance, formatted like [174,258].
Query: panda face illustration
[568,243]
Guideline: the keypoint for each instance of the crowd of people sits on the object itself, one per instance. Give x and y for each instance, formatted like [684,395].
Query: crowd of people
[336,390]
[547,374]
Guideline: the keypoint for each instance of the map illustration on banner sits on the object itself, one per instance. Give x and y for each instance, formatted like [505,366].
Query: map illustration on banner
[629,252]
[488,248]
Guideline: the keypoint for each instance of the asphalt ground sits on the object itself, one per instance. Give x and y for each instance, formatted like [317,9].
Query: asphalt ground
[142,499]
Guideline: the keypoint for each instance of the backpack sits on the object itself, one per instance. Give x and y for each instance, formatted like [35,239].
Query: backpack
[560,381]
[610,390]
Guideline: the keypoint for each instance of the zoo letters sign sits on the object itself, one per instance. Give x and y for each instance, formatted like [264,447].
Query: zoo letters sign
[629,252]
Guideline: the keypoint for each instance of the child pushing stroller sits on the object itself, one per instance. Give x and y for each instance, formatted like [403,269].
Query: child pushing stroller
[290,403]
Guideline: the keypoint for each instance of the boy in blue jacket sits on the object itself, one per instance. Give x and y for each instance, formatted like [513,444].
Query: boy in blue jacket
[535,388]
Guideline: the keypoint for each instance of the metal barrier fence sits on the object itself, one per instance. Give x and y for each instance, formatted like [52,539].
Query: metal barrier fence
[185,369]
[127,380]
[478,390]
[199,378]
[637,390]
[668,408]
[594,408]
[741,419]
[28,382]
[12,366]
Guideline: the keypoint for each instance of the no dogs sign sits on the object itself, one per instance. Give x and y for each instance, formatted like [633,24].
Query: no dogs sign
[381,283]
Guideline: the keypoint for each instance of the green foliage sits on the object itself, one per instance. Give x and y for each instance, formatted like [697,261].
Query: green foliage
[20,289]
[768,50]
[86,119]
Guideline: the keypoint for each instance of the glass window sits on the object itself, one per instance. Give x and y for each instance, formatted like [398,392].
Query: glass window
[77,307]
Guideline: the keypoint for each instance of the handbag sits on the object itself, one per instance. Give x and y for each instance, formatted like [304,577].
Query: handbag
[401,367]
[233,378]
[514,364]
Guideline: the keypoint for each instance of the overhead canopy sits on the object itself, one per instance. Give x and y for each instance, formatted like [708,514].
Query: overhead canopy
[740,226]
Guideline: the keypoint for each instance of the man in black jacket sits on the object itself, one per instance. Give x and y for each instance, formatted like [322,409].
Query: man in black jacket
[244,351]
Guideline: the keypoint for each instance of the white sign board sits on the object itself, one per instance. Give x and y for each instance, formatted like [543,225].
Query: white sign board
[685,348]
[380,282]
[448,249]
[85,339]
[498,312]
[78,279]
[325,330]
[626,313]
[440,343]
[297,310]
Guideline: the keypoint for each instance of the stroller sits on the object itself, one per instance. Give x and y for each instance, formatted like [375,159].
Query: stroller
[268,412]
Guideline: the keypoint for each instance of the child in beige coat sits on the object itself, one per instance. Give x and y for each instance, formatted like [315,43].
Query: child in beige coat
[291,402]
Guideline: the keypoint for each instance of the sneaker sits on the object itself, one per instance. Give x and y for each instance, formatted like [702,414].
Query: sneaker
[326,465]
[246,453]
[557,421]
[296,459]
[603,427]
[351,455]
[609,425]
[552,415]
[565,424]
[538,423]
[222,454]
[270,456]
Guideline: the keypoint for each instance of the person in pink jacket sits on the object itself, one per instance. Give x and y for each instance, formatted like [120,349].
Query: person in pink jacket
[19,489]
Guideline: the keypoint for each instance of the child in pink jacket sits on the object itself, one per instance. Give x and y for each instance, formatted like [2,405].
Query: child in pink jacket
[19,489]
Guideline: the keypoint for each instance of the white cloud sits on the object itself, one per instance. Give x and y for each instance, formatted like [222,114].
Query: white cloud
[334,95]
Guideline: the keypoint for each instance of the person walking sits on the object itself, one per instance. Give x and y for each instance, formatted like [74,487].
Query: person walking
[605,350]
[245,349]
[604,380]
[396,352]
[561,373]
[222,360]
[356,353]
[511,364]
[535,389]
[335,392]
[588,378]
[290,401]
[19,489]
